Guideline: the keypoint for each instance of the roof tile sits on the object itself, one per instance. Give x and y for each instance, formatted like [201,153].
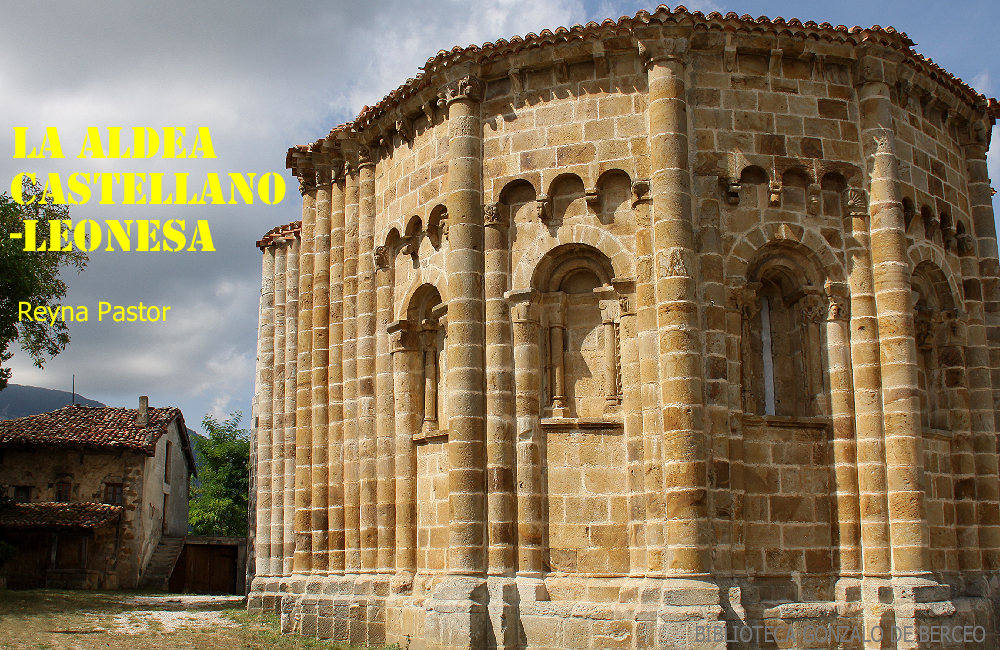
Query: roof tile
[102,426]
[68,515]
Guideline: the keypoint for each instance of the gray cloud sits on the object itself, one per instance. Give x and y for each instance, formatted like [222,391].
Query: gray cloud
[263,76]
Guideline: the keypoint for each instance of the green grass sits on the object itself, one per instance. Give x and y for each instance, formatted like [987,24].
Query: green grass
[47,619]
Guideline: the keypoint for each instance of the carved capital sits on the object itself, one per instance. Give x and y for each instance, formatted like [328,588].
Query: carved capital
[663,51]
[593,198]
[469,87]
[307,180]
[523,305]
[814,306]
[365,156]
[324,177]
[401,336]
[494,216]
[883,144]
[744,297]
[855,202]
[838,300]
[381,255]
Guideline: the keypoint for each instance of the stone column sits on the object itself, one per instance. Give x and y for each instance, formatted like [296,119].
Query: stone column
[335,377]
[367,469]
[302,560]
[867,392]
[891,280]
[982,296]
[557,366]
[464,268]
[527,334]
[385,417]
[278,414]
[675,267]
[609,321]
[265,383]
[406,361]
[500,451]
[352,487]
[291,376]
[837,327]
[320,377]
[456,613]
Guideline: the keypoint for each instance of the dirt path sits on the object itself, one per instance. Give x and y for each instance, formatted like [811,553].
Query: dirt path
[77,620]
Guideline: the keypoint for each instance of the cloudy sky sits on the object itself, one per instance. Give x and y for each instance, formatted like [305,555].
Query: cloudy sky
[263,76]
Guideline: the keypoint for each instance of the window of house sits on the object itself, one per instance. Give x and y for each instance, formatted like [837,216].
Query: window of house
[63,491]
[166,464]
[113,493]
[22,494]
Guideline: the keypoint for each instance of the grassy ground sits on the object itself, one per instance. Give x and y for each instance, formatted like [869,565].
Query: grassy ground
[81,620]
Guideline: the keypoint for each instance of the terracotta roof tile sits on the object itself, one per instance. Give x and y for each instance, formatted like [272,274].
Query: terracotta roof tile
[713,21]
[102,426]
[280,232]
[69,515]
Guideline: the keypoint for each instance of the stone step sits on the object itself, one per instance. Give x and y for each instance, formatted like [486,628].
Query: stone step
[161,563]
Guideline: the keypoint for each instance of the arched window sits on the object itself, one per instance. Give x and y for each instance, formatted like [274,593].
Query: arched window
[939,351]
[580,332]
[781,352]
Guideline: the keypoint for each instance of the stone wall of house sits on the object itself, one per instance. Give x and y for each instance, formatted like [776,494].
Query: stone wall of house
[626,335]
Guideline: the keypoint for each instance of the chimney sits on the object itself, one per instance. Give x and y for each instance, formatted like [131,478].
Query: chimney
[142,418]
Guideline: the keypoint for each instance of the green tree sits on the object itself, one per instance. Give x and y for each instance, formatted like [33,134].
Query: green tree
[33,277]
[219,502]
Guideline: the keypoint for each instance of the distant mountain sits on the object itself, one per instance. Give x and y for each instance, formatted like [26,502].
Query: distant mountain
[18,401]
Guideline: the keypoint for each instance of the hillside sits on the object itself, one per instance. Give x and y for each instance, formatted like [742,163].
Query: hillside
[18,401]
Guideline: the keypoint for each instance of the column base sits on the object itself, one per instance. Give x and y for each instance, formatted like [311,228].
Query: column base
[456,614]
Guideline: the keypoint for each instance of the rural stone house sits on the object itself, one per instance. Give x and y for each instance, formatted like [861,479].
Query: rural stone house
[95,489]
[641,334]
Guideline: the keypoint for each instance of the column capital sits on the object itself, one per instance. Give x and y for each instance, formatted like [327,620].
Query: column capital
[381,257]
[401,336]
[523,305]
[307,179]
[744,298]
[661,51]
[838,295]
[495,216]
[468,87]
[365,156]
[874,66]
[324,177]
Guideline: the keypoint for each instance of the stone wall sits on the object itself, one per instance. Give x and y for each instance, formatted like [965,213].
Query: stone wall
[626,335]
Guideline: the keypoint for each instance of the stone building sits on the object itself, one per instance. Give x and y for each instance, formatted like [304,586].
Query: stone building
[95,489]
[638,335]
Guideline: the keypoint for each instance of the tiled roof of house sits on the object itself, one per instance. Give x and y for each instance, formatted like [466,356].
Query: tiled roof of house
[102,426]
[279,232]
[69,515]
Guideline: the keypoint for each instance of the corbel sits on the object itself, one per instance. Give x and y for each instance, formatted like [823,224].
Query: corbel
[516,85]
[814,199]
[775,188]
[561,71]
[543,206]
[640,191]
[593,198]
